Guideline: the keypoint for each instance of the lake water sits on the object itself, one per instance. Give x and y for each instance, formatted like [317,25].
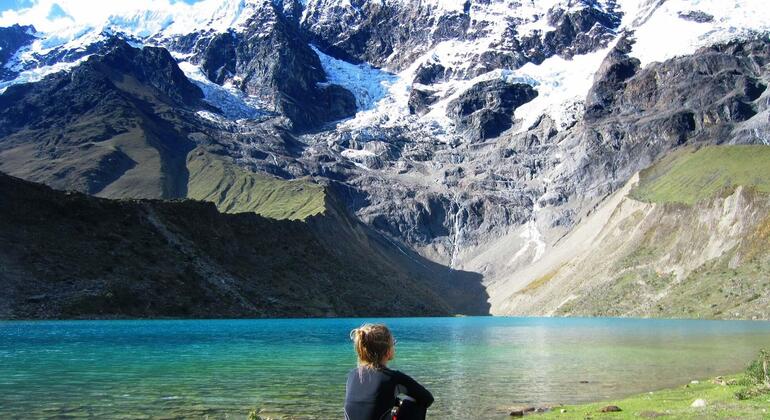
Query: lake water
[296,368]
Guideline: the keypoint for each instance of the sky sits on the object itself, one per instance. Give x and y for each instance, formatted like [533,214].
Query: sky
[50,15]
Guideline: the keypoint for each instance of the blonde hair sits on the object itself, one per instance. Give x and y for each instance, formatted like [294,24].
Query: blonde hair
[373,344]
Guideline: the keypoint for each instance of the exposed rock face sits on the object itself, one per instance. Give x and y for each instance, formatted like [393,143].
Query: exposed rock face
[271,60]
[430,73]
[697,16]
[150,66]
[420,100]
[12,39]
[487,109]
[393,33]
[575,32]
[616,68]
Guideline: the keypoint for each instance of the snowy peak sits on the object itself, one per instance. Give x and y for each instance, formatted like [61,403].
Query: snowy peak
[429,51]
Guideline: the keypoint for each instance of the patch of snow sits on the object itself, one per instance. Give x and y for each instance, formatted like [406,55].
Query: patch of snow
[663,34]
[368,84]
[357,154]
[389,111]
[457,237]
[36,74]
[562,86]
[233,103]
[532,237]
[215,15]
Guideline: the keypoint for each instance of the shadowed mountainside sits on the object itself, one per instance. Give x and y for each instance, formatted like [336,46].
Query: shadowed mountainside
[68,255]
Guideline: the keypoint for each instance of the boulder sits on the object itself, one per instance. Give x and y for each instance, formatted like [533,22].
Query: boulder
[487,108]
[420,101]
[521,411]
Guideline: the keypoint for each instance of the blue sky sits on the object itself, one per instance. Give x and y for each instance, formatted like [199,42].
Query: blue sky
[14,4]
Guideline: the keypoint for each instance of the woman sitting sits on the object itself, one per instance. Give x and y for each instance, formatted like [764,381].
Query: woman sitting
[372,389]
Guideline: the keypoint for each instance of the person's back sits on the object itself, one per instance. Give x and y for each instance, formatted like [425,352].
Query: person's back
[372,388]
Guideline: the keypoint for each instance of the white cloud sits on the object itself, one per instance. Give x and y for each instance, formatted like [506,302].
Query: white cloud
[88,12]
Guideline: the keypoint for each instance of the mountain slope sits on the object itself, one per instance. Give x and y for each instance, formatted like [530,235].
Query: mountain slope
[114,126]
[185,259]
[696,246]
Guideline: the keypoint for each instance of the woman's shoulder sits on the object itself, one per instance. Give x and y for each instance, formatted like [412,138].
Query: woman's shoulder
[394,373]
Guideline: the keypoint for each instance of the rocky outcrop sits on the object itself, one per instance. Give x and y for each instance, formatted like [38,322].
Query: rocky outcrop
[270,59]
[151,67]
[610,79]
[274,61]
[575,32]
[420,100]
[487,108]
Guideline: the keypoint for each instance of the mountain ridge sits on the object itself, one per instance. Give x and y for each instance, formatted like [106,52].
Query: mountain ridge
[152,258]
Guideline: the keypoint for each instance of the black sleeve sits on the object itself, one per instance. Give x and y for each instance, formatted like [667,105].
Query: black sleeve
[415,390]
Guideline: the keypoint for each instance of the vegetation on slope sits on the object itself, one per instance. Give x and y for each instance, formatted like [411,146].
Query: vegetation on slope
[236,190]
[690,175]
[729,284]
[696,247]
[720,275]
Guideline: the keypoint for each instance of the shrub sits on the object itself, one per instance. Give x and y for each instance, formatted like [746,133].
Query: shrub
[756,380]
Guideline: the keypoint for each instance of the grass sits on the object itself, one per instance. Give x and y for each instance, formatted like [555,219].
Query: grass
[744,396]
[236,190]
[721,403]
[539,282]
[690,175]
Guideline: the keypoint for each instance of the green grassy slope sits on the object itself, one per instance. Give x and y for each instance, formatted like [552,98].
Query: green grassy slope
[700,250]
[675,403]
[690,175]
[236,190]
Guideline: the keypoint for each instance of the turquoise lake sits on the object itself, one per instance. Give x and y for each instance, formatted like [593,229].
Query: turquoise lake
[476,367]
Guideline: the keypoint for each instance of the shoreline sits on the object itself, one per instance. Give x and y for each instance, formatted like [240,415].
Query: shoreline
[712,398]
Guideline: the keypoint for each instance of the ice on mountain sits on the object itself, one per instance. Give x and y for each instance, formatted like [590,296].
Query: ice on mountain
[662,34]
[36,74]
[368,84]
[233,103]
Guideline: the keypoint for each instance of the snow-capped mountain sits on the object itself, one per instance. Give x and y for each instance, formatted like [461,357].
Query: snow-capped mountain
[478,133]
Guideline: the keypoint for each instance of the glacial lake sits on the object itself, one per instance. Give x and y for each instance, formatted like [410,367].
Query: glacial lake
[476,367]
